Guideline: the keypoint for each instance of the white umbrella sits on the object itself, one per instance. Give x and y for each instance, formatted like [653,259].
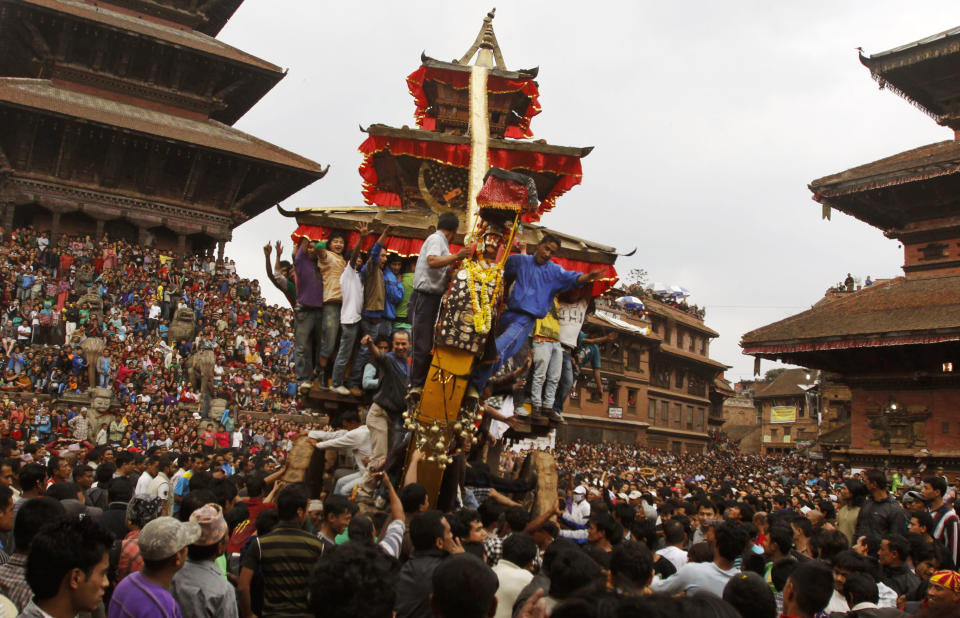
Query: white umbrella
[677,290]
[660,288]
[630,302]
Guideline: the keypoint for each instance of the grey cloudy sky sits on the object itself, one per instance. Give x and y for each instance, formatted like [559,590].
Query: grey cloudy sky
[709,120]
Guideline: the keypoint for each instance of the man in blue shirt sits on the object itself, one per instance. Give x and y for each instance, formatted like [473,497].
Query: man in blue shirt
[537,281]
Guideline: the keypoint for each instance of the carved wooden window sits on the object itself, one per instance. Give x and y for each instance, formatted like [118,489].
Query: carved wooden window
[690,418]
[696,385]
[945,427]
[678,378]
[652,409]
[632,400]
[633,359]
[933,251]
[664,413]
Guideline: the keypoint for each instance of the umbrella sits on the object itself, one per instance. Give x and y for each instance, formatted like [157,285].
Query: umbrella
[660,288]
[676,290]
[630,302]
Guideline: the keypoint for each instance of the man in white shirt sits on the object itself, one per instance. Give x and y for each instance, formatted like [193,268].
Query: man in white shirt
[676,539]
[160,484]
[513,571]
[732,539]
[579,511]
[148,474]
[351,293]
[353,436]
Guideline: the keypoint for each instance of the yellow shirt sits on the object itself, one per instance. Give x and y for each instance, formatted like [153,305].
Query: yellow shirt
[548,327]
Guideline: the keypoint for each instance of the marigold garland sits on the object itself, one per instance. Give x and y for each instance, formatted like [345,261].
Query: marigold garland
[482,302]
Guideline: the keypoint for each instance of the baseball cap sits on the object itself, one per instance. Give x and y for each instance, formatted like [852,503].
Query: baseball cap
[165,536]
[635,495]
[213,526]
[580,489]
[912,496]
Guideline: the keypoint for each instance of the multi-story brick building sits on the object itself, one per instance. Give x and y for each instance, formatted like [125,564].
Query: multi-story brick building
[894,343]
[661,388]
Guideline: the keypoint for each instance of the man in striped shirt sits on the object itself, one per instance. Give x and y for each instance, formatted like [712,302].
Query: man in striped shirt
[946,525]
[285,557]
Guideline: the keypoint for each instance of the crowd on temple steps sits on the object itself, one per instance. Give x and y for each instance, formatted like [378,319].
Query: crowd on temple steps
[166,512]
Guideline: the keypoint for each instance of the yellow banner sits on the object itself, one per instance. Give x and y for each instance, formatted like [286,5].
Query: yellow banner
[783,414]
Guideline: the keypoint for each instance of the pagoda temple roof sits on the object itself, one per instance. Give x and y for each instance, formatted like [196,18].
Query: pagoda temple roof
[432,63]
[181,36]
[410,229]
[209,18]
[787,384]
[889,194]
[538,146]
[891,312]
[43,95]
[923,72]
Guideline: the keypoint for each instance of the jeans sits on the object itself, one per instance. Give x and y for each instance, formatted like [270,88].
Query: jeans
[345,484]
[514,330]
[566,382]
[348,340]
[331,326]
[375,327]
[103,380]
[307,323]
[547,366]
[424,309]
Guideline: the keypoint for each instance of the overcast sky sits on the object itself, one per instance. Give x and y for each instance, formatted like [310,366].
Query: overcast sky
[709,120]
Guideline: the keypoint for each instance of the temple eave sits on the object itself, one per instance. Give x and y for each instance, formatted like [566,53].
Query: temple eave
[503,144]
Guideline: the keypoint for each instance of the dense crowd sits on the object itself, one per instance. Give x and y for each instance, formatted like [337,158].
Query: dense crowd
[633,533]
[165,512]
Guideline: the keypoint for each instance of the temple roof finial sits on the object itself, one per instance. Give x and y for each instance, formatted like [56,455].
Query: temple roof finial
[486,39]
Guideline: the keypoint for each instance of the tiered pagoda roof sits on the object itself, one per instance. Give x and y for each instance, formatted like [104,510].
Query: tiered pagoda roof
[428,168]
[130,103]
[925,73]
[912,197]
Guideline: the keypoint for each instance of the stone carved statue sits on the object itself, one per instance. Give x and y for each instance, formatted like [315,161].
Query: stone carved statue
[94,304]
[199,368]
[101,400]
[85,278]
[92,351]
[182,326]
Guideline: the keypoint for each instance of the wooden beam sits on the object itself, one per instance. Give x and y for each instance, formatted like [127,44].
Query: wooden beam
[112,161]
[156,159]
[236,183]
[197,167]
[67,144]
[4,161]
[26,138]
[37,40]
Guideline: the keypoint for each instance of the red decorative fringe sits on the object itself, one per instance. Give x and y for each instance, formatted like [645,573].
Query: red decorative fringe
[460,80]
[567,168]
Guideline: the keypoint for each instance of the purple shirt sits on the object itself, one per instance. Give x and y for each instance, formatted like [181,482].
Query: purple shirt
[309,280]
[137,597]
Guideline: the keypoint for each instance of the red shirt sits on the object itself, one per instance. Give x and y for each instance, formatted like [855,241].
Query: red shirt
[223,439]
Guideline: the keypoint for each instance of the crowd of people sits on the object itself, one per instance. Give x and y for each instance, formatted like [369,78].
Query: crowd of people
[633,533]
[164,511]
